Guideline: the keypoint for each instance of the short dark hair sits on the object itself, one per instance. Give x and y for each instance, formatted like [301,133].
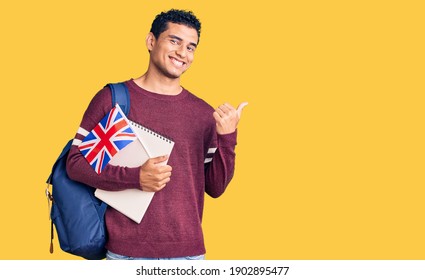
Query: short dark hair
[187,18]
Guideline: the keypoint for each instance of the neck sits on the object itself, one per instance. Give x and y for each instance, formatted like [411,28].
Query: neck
[159,84]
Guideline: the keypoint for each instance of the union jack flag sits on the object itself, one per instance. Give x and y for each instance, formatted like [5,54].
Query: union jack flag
[110,135]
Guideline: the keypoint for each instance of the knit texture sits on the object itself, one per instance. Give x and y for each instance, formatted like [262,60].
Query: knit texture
[171,226]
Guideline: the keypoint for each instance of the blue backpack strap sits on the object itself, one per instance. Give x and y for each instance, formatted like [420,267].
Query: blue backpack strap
[121,96]
[64,153]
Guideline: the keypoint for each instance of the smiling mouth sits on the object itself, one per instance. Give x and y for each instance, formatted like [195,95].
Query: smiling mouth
[177,62]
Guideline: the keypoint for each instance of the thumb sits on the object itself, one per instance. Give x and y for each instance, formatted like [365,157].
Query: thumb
[240,107]
[159,159]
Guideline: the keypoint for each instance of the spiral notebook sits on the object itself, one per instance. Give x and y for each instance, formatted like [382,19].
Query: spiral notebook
[133,202]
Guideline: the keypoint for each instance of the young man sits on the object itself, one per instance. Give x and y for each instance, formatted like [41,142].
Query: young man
[202,159]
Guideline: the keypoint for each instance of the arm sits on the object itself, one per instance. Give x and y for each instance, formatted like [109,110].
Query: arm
[220,164]
[219,169]
[112,177]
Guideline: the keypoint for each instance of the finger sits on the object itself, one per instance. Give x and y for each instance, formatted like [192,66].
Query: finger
[155,188]
[240,108]
[225,108]
[228,107]
[165,169]
[220,112]
[217,116]
[163,176]
[162,183]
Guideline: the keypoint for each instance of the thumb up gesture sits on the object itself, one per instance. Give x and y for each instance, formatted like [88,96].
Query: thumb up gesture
[227,118]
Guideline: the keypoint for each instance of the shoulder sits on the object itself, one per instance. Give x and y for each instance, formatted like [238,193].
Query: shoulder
[202,112]
[102,99]
[99,106]
[199,103]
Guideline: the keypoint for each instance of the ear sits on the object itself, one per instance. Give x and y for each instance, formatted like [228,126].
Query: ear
[150,41]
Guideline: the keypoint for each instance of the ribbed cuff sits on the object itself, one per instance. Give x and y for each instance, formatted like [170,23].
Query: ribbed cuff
[227,140]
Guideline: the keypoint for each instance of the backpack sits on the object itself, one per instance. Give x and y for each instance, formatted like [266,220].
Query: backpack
[77,214]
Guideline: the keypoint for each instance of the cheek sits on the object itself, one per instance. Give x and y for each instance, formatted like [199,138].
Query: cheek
[190,58]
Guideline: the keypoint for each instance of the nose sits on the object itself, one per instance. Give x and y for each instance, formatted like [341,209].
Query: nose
[181,51]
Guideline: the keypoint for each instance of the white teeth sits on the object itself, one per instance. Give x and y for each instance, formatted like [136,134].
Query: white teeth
[176,62]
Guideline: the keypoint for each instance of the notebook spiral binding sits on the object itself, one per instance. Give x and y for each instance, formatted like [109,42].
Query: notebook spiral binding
[150,131]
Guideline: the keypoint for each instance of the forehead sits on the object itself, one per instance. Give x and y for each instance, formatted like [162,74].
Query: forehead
[182,31]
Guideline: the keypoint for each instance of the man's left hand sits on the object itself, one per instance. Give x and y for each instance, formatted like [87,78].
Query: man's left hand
[227,117]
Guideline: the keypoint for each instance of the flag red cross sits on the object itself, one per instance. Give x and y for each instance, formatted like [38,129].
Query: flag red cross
[105,139]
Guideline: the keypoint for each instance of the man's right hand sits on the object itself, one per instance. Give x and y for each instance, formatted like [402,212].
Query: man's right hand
[154,174]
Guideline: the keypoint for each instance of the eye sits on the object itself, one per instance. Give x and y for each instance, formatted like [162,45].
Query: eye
[173,41]
[191,49]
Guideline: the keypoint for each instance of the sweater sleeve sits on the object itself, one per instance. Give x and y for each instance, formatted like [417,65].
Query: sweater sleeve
[220,164]
[111,178]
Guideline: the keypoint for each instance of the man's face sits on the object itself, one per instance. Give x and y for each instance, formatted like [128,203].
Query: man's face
[172,52]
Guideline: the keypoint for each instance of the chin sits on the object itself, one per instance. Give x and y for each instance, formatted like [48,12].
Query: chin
[174,74]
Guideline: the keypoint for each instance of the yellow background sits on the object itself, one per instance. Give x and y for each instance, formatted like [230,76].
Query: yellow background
[330,159]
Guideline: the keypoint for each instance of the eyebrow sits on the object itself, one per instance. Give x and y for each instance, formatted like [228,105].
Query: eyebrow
[180,39]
